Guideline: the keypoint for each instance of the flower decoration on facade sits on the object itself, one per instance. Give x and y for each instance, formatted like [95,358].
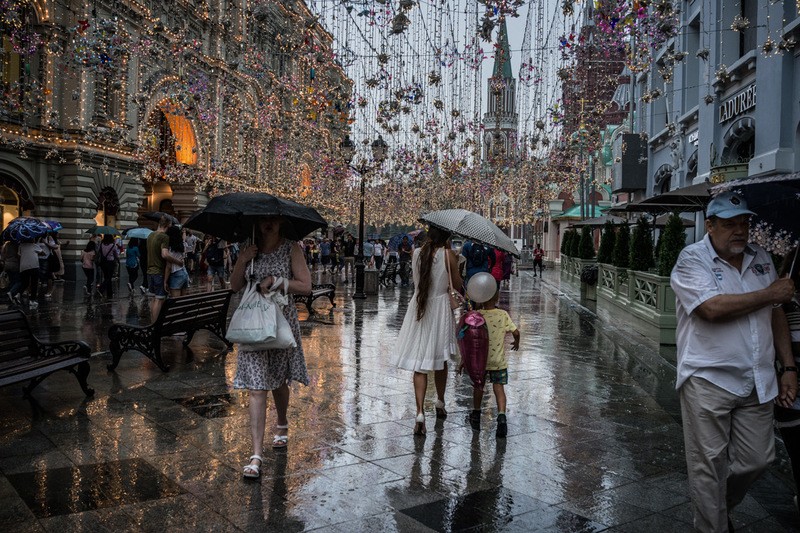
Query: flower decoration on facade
[740,23]
[769,46]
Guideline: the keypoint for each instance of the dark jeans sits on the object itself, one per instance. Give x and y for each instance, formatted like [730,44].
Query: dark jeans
[108,268]
[378,262]
[133,274]
[89,273]
[15,282]
[791,438]
[539,264]
[30,281]
[143,266]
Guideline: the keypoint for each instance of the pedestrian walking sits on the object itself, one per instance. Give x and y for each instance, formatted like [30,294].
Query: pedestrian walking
[214,253]
[29,253]
[157,257]
[176,279]
[190,246]
[480,258]
[10,257]
[132,260]
[497,265]
[349,259]
[788,419]
[145,286]
[498,323]
[538,259]
[404,251]
[48,263]
[278,264]
[427,336]
[731,329]
[88,266]
[109,258]
[378,250]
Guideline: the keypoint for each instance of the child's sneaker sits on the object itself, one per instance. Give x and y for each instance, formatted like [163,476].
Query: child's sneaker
[502,426]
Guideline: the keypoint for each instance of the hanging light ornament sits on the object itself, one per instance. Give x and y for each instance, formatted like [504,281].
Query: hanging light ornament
[400,23]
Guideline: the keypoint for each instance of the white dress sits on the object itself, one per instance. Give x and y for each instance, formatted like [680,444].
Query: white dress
[425,345]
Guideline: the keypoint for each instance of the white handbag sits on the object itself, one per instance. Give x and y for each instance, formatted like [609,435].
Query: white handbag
[284,337]
[255,319]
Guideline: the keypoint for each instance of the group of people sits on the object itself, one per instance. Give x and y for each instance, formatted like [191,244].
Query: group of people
[28,265]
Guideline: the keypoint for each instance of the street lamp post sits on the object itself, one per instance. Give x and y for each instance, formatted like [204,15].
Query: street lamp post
[379,147]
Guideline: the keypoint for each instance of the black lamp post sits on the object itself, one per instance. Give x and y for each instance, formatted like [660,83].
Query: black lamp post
[379,148]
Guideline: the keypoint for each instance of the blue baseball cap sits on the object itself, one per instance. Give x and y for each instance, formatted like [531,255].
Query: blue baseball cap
[727,205]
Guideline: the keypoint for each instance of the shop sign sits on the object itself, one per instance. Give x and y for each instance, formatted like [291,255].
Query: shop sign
[738,104]
[693,138]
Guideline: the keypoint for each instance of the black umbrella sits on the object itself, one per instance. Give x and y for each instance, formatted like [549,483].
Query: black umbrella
[232,216]
[156,216]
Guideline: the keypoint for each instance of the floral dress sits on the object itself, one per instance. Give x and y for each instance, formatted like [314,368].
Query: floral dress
[270,369]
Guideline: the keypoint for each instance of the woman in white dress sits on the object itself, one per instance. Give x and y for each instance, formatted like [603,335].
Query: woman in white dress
[427,337]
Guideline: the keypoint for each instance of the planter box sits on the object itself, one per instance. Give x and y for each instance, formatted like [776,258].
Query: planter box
[644,295]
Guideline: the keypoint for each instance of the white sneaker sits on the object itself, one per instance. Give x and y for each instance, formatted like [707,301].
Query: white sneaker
[33,305]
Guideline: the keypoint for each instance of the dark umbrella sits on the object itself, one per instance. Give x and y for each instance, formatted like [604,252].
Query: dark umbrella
[775,200]
[103,230]
[156,216]
[233,216]
[25,229]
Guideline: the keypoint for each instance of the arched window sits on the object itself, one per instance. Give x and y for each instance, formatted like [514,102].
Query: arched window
[107,207]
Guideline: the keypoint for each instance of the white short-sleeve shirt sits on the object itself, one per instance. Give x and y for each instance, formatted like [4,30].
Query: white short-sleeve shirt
[736,355]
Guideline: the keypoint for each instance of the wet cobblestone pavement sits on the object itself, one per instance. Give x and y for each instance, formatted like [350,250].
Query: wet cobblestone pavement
[594,440]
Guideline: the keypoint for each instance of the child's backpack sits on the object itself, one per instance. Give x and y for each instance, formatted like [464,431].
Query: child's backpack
[473,341]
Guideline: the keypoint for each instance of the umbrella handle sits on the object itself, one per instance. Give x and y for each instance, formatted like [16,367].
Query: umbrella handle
[794,260]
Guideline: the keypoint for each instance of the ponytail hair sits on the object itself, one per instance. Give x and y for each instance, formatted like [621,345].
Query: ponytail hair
[437,238]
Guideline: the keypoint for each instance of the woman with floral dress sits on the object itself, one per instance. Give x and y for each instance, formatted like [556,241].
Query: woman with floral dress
[279,264]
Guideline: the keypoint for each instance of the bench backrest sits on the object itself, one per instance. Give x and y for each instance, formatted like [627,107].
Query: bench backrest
[16,338]
[184,312]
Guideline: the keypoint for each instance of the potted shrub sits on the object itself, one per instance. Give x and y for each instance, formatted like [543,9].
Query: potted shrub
[620,255]
[574,244]
[586,244]
[641,249]
[606,250]
[672,241]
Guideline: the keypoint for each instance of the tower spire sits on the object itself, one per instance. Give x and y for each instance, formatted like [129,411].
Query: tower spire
[502,57]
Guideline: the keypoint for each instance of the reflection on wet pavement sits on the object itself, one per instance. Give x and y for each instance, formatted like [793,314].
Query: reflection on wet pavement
[594,440]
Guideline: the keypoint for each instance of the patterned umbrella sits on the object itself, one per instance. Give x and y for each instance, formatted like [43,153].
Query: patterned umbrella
[471,226]
[55,225]
[25,229]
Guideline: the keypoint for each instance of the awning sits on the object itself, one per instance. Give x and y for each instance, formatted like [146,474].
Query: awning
[661,221]
[599,221]
[691,198]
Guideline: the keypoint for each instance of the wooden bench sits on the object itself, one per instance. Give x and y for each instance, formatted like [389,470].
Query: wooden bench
[184,314]
[24,357]
[317,291]
[389,274]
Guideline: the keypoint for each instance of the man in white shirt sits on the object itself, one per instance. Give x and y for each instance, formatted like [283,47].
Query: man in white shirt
[729,334]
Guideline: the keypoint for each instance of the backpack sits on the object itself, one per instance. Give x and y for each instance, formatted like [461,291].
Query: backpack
[215,256]
[473,341]
[477,255]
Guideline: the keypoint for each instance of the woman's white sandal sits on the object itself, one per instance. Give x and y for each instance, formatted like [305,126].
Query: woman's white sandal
[280,441]
[253,471]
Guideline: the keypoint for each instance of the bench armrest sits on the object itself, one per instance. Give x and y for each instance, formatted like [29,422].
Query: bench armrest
[58,349]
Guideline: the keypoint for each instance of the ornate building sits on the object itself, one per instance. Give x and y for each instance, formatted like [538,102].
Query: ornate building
[119,107]
[500,123]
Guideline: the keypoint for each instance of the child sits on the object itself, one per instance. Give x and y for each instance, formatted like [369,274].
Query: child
[498,323]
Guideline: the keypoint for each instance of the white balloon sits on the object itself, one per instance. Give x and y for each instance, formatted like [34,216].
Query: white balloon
[481,287]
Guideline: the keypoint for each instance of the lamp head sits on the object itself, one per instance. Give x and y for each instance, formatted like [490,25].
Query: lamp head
[348,149]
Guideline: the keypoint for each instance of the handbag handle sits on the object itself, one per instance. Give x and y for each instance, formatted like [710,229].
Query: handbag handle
[447,268]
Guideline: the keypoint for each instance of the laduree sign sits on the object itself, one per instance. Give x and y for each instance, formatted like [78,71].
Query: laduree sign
[738,104]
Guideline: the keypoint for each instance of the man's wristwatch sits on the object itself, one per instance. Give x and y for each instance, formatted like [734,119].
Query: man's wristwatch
[789,369]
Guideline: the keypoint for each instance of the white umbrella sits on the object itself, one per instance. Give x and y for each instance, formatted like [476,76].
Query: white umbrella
[471,226]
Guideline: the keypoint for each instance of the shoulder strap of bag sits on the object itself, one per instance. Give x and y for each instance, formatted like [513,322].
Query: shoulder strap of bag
[447,267]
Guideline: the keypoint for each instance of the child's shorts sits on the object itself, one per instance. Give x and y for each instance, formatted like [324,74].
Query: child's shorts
[497,376]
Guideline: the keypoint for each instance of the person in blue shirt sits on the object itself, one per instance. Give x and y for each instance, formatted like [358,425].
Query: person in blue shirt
[132,260]
[480,258]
